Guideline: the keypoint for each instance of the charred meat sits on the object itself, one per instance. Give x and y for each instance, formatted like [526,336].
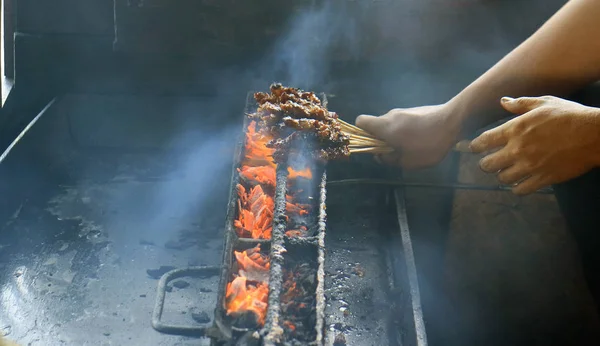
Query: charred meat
[299,123]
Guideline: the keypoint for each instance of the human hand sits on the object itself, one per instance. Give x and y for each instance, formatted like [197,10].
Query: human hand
[554,140]
[422,136]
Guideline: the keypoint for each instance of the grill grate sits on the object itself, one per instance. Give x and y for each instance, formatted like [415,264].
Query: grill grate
[282,252]
[296,306]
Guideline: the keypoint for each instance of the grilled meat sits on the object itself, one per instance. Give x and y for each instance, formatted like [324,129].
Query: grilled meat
[291,115]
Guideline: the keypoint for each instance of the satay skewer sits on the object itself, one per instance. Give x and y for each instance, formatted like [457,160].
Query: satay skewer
[372,150]
[353,129]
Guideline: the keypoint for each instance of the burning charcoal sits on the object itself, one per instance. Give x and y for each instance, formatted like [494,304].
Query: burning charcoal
[340,340]
[255,213]
[181,284]
[157,273]
[298,302]
[247,320]
[199,316]
[246,296]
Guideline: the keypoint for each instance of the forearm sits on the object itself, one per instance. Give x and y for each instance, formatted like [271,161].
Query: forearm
[561,57]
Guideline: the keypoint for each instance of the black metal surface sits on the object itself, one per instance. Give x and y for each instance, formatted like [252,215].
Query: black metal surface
[83,231]
[78,219]
[231,242]
[159,304]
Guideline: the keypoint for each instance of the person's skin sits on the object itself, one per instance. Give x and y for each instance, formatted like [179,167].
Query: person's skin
[552,140]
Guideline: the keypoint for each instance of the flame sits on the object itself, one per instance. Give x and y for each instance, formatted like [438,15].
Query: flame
[255,213]
[242,297]
[304,173]
[255,262]
[248,292]
[256,151]
[264,175]
[297,208]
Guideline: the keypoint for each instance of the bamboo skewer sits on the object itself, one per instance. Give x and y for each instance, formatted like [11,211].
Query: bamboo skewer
[372,150]
[353,129]
[363,142]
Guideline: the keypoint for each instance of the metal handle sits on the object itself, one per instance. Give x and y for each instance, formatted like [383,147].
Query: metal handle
[161,292]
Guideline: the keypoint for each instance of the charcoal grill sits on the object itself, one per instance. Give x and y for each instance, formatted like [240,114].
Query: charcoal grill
[402,290]
[358,250]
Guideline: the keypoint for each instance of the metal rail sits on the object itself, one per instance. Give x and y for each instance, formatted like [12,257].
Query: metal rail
[411,269]
[455,186]
[25,130]
[161,292]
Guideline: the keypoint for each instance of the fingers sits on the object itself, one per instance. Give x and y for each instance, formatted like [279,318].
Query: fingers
[530,185]
[371,124]
[496,161]
[522,104]
[489,140]
[512,175]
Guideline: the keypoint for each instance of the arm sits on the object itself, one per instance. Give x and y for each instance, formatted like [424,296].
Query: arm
[561,57]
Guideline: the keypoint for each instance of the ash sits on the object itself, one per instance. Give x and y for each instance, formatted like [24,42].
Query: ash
[298,302]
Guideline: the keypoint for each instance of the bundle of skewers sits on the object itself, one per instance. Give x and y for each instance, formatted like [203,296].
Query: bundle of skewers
[289,114]
[363,142]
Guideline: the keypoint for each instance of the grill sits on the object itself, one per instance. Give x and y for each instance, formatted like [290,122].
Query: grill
[300,272]
[67,242]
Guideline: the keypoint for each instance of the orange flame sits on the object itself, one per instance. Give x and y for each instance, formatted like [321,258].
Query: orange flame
[252,260]
[257,153]
[249,291]
[255,213]
[242,297]
[264,175]
[304,173]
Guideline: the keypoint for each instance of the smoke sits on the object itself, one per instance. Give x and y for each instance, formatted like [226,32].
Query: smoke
[301,56]
[200,175]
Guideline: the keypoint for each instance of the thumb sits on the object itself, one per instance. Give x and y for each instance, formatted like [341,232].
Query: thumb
[373,125]
[520,105]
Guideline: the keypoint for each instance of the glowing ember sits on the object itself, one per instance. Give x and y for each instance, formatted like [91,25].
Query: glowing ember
[256,213]
[264,175]
[305,173]
[296,232]
[297,300]
[256,151]
[248,292]
[253,265]
[242,296]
